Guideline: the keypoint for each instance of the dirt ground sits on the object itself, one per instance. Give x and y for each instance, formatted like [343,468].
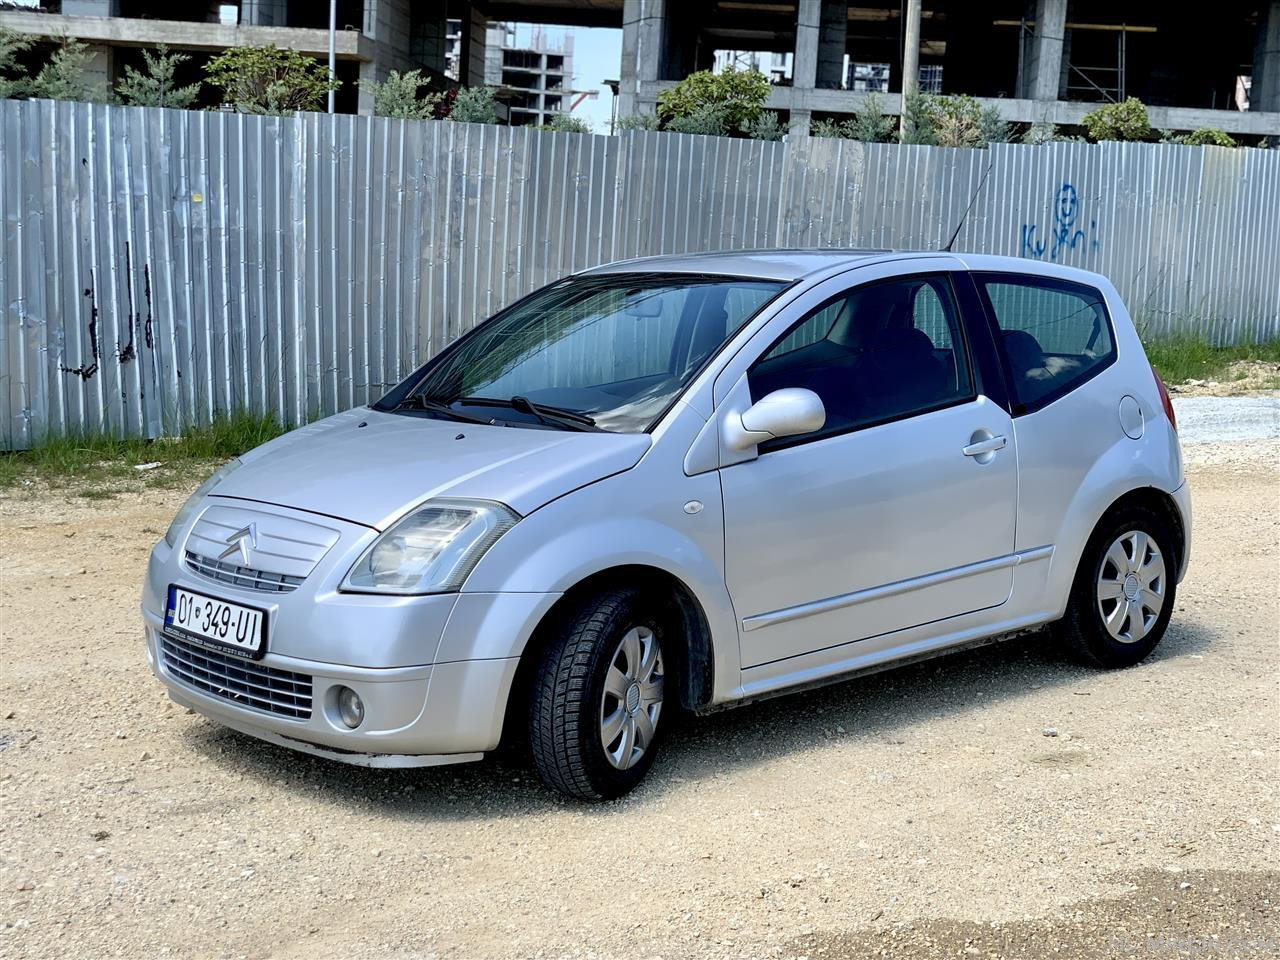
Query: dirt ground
[918,814]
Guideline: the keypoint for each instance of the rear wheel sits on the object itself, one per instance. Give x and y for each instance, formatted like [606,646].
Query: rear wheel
[1124,590]
[598,697]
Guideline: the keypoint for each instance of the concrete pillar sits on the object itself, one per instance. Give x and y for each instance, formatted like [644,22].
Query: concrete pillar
[642,29]
[1264,93]
[833,29]
[475,28]
[1043,66]
[910,60]
[804,67]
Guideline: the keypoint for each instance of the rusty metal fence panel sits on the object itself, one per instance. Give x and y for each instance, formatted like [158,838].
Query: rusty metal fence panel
[159,267]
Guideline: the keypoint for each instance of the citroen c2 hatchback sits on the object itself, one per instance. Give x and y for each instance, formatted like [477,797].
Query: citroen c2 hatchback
[681,483]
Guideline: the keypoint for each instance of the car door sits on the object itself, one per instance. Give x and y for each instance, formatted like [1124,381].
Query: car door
[900,510]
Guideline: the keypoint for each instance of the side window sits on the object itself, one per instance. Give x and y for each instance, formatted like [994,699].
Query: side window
[874,353]
[1053,334]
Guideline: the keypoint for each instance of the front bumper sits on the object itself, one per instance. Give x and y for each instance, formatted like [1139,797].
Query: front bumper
[414,716]
[434,672]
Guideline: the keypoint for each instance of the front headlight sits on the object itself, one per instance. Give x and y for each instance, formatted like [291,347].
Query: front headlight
[432,550]
[193,501]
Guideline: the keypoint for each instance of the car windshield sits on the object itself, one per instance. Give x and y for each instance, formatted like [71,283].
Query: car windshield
[600,352]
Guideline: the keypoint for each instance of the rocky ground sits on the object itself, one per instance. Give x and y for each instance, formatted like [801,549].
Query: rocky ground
[998,803]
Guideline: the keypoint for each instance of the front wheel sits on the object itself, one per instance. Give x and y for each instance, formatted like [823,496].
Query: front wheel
[598,698]
[1124,590]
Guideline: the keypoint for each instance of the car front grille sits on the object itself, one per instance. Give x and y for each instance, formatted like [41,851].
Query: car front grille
[246,577]
[282,693]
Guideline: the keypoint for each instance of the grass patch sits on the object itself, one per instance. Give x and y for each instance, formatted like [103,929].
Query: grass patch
[102,466]
[1179,359]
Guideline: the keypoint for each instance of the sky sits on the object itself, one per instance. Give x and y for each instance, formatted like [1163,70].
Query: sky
[597,56]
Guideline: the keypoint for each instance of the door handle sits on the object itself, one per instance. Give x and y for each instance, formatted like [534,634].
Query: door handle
[987,445]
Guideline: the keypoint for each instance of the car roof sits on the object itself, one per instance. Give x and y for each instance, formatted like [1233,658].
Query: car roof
[780,264]
[790,264]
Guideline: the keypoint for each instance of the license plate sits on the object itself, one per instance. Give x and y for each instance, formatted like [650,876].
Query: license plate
[229,627]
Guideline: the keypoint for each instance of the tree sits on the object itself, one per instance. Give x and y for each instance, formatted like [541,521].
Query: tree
[14,82]
[992,126]
[869,123]
[64,76]
[268,80]
[735,96]
[918,119]
[1118,121]
[155,88]
[474,105]
[397,96]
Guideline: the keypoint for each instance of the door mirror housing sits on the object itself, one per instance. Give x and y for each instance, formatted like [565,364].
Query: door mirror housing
[788,412]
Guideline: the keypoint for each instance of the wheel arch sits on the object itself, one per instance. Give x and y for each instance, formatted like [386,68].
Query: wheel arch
[694,659]
[1158,502]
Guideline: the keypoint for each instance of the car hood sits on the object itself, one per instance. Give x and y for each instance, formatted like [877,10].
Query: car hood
[369,467]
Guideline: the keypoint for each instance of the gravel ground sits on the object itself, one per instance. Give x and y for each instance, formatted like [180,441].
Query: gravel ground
[921,813]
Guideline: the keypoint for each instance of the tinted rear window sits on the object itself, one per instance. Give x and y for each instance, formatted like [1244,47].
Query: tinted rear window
[1054,334]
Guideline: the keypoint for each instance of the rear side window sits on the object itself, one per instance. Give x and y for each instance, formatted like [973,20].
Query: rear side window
[1053,334]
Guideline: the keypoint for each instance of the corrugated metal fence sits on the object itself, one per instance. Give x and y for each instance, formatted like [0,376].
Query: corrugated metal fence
[158,267]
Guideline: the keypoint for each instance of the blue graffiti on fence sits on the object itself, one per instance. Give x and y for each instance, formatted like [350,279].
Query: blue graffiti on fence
[1066,234]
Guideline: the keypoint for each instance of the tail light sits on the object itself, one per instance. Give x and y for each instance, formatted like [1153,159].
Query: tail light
[1165,401]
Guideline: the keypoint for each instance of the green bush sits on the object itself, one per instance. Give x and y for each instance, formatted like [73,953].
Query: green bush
[1118,121]
[918,119]
[566,123]
[639,121]
[869,124]
[155,87]
[14,82]
[1208,137]
[735,96]
[766,126]
[397,96]
[474,105]
[269,80]
[957,121]
[992,126]
[708,119]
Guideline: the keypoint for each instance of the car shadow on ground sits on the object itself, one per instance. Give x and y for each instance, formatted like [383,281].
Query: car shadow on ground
[884,706]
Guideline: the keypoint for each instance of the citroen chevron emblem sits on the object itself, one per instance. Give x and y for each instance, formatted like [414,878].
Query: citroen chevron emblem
[242,541]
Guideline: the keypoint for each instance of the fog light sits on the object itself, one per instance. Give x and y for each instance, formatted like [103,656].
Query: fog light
[350,707]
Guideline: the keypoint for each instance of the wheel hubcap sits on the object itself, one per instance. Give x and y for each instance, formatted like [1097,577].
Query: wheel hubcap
[632,698]
[1131,586]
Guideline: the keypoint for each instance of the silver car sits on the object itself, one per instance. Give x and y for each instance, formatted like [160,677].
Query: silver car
[680,483]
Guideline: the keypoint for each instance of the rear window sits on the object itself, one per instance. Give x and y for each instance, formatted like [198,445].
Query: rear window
[1053,334]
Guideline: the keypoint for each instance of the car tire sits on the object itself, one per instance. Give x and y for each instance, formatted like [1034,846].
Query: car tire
[596,706]
[1124,590]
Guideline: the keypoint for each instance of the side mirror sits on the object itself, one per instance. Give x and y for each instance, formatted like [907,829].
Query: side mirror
[783,413]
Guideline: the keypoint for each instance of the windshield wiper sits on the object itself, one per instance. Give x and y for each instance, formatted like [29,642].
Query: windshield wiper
[419,402]
[552,416]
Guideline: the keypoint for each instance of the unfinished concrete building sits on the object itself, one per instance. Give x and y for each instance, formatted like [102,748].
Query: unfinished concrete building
[1038,60]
